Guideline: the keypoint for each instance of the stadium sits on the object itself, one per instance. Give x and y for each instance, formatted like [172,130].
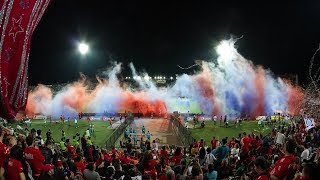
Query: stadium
[115,91]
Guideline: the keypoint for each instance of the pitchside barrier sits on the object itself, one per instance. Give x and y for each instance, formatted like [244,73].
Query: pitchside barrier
[110,143]
[183,133]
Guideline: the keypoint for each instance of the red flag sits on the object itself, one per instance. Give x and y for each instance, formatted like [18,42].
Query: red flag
[18,19]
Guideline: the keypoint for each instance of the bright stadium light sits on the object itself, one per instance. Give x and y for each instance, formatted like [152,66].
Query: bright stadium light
[171,78]
[226,49]
[164,77]
[83,48]
[160,77]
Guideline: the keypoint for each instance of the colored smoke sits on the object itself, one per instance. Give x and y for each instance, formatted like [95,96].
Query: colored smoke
[230,85]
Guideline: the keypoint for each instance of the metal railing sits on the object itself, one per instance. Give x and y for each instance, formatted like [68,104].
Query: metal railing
[110,142]
[182,132]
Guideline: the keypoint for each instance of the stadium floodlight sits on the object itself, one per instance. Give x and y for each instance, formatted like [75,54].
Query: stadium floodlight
[226,50]
[171,78]
[160,77]
[83,48]
[164,77]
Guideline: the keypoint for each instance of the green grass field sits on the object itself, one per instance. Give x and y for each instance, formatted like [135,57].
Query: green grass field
[101,130]
[221,132]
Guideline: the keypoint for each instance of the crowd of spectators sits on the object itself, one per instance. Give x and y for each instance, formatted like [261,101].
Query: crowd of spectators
[289,152]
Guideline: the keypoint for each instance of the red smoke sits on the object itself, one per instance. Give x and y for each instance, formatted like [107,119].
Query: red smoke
[259,82]
[77,96]
[204,83]
[138,103]
[295,99]
[38,100]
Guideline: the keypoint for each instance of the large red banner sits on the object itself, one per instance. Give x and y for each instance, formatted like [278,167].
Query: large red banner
[18,19]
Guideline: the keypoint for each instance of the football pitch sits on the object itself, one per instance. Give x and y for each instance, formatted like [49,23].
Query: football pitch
[102,130]
[221,132]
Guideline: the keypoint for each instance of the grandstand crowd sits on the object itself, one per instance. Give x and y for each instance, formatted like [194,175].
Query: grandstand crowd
[289,152]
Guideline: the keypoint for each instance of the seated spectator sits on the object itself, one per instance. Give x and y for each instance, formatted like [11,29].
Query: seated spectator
[260,168]
[48,172]
[13,166]
[281,168]
[34,157]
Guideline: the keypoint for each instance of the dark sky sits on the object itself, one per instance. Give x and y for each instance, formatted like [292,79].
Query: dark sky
[158,35]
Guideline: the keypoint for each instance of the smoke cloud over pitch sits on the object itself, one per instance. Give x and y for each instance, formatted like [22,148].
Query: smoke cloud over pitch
[229,85]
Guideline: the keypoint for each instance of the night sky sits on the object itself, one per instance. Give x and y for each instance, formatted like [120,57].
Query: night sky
[157,36]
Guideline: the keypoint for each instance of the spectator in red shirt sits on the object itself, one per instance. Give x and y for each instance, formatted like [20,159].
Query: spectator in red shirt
[34,157]
[245,143]
[259,143]
[164,152]
[4,152]
[80,164]
[195,143]
[214,143]
[48,170]
[13,166]
[176,158]
[126,159]
[281,168]
[260,167]
[253,143]
[232,143]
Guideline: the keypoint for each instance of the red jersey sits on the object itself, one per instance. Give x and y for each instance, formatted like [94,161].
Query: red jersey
[232,144]
[80,166]
[13,170]
[106,156]
[152,165]
[270,150]
[126,160]
[262,177]
[246,142]
[214,144]
[114,151]
[70,149]
[4,152]
[195,145]
[281,168]
[176,160]
[164,153]
[253,143]
[201,144]
[259,144]
[35,159]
